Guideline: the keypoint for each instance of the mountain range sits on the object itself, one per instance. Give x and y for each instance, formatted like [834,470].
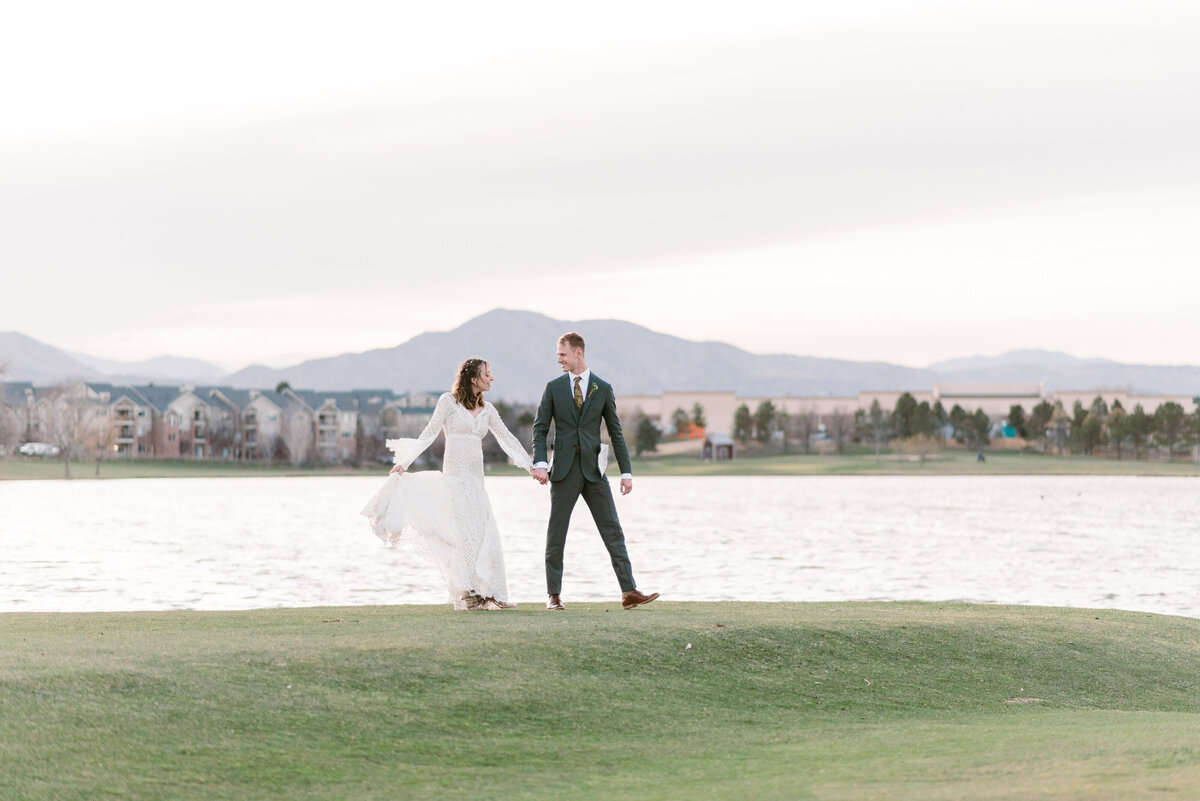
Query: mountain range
[636,360]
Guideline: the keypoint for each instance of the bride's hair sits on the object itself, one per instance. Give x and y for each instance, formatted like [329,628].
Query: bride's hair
[462,390]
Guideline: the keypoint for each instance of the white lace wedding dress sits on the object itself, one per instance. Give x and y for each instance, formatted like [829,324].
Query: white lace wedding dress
[448,513]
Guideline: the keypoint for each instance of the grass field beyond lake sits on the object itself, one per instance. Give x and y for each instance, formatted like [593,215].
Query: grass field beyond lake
[954,462]
[675,700]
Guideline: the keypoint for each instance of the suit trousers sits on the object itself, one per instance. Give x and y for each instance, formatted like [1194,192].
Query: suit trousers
[564,494]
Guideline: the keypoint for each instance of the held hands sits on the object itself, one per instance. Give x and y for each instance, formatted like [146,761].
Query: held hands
[541,476]
[398,469]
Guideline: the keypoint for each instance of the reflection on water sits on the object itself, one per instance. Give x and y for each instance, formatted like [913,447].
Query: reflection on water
[1112,542]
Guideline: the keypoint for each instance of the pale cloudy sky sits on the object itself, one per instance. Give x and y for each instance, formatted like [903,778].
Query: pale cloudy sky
[904,181]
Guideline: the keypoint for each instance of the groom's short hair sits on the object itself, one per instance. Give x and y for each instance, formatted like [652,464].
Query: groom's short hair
[573,341]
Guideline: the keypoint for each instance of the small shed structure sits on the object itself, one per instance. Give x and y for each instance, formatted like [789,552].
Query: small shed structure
[717,448]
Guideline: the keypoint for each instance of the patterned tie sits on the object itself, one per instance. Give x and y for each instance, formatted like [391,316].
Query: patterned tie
[578,394]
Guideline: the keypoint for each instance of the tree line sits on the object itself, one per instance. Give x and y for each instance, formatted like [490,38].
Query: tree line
[921,427]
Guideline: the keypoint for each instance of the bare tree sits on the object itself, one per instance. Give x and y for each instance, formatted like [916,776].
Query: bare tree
[267,447]
[1061,422]
[368,444]
[8,421]
[524,429]
[220,434]
[919,445]
[69,417]
[840,425]
[10,426]
[101,438]
[297,434]
[879,423]
[804,426]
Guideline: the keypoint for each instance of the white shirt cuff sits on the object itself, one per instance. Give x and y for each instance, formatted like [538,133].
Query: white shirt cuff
[541,466]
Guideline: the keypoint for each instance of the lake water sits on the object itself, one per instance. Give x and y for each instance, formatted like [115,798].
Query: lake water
[1103,542]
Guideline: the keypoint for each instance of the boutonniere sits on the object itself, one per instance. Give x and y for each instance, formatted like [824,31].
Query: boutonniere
[592,389]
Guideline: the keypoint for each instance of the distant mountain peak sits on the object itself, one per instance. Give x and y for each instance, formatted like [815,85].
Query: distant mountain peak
[1029,356]
[635,359]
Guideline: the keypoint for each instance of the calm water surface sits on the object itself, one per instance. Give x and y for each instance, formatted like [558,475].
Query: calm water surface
[1105,542]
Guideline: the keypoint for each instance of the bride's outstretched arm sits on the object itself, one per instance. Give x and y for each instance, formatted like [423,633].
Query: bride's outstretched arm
[508,442]
[407,450]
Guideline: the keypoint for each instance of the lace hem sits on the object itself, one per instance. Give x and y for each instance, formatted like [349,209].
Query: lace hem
[421,508]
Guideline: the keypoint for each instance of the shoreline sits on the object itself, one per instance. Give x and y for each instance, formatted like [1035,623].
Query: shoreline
[945,463]
[586,607]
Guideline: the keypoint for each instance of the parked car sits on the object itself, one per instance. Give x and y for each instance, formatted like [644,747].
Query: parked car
[38,449]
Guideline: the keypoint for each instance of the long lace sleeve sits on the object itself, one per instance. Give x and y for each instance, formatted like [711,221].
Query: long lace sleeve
[509,443]
[406,450]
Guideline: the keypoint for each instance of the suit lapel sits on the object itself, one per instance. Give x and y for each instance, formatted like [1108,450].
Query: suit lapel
[587,393]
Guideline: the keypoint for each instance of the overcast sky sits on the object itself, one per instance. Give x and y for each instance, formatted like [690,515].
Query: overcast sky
[903,181]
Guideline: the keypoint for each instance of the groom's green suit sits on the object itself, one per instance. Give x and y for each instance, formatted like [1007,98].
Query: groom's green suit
[575,470]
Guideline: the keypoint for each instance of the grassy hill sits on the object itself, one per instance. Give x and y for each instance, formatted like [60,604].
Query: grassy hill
[677,700]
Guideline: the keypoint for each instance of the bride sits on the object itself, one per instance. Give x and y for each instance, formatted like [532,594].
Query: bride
[448,513]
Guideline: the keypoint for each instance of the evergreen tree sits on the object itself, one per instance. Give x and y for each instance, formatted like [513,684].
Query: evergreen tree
[764,421]
[903,414]
[1169,422]
[1078,416]
[1061,422]
[940,418]
[646,436]
[1039,420]
[743,424]
[1118,427]
[981,428]
[922,421]
[1091,433]
[960,423]
[1016,418]
[1141,425]
[1192,429]
[878,425]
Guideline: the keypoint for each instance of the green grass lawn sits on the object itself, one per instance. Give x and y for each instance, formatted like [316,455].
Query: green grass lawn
[21,467]
[950,462]
[770,701]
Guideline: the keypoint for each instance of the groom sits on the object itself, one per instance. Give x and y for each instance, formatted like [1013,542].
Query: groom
[576,402]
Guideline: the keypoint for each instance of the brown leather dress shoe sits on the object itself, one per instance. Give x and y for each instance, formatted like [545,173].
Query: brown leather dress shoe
[634,598]
[554,602]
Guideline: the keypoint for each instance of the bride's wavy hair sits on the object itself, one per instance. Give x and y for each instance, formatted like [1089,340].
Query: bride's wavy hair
[462,390]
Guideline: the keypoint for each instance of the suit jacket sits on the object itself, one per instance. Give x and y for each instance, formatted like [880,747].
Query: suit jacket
[578,430]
